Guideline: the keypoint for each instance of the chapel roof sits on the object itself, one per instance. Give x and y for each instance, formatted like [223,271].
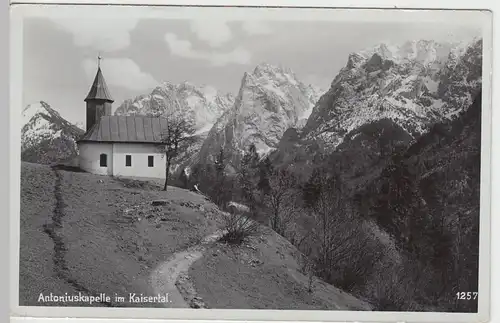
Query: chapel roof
[126,129]
[99,89]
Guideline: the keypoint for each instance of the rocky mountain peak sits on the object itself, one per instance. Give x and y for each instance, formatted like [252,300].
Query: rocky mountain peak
[416,51]
[202,104]
[271,99]
[415,84]
[38,109]
[46,136]
[269,70]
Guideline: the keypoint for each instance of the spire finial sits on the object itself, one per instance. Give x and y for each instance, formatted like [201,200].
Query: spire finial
[99,57]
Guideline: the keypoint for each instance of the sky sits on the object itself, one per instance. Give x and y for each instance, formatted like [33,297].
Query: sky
[138,53]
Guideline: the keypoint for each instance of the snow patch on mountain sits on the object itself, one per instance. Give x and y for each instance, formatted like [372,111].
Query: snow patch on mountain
[414,84]
[45,135]
[271,99]
[32,110]
[202,105]
[41,122]
[416,51]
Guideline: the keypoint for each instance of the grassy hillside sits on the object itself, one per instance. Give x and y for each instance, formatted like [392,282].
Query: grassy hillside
[109,237]
[266,272]
[95,234]
[36,269]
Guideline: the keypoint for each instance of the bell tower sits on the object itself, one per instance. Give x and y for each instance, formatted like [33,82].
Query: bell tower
[98,100]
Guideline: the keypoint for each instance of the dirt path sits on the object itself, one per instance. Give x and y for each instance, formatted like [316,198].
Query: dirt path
[164,277]
[52,229]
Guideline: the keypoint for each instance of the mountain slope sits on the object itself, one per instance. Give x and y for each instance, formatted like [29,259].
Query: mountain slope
[202,105]
[106,237]
[427,198]
[87,233]
[270,100]
[383,100]
[422,189]
[46,136]
[415,85]
[265,273]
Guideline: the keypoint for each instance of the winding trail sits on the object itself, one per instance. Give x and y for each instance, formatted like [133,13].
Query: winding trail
[52,229]
[166,274]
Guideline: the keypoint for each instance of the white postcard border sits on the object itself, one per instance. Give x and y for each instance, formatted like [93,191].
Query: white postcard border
[17,14]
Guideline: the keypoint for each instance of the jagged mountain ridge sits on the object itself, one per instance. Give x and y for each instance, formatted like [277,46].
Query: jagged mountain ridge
[46,137]
[203,105]
[271,99]
[420,187]
[415,84]
[359,138]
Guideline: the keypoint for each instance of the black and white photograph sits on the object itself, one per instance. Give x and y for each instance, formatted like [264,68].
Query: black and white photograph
[251,159]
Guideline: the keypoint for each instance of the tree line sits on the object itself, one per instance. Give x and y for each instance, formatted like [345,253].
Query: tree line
[315,214]
[435,233]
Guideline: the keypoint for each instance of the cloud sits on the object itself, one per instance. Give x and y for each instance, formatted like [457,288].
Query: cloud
[255,27]
[122,72]
[100,33]
[104,34]
[183,48]
[217,32]
[214,33]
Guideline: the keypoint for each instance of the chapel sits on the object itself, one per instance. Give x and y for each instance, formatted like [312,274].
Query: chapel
[114,145]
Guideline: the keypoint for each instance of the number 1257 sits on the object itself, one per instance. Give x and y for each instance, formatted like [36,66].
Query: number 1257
[467,295]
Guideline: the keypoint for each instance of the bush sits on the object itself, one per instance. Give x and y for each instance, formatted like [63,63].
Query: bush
[238,227]
[349,257]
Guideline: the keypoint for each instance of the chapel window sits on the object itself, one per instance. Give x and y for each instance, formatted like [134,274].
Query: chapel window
[103,160]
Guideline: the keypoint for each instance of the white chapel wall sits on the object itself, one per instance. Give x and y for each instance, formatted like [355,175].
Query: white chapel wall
[139,154]
[89,157]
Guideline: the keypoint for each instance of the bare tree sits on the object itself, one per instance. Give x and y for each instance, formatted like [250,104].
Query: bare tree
[281,198]
[345,251]
[176,138]
[308,267]
[323,198]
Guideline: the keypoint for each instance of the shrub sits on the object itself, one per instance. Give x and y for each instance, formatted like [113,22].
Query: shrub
[349,257]
[238,226]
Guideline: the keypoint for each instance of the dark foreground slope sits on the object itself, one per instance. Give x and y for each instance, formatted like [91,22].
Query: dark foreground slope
[427,198]
[95,234]
[266,272]
[90,234]
[37,250]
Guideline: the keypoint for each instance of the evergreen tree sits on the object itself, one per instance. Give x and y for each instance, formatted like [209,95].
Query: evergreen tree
[247,176]
[265,170]
[219,189]
[312,188]
[220,162]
